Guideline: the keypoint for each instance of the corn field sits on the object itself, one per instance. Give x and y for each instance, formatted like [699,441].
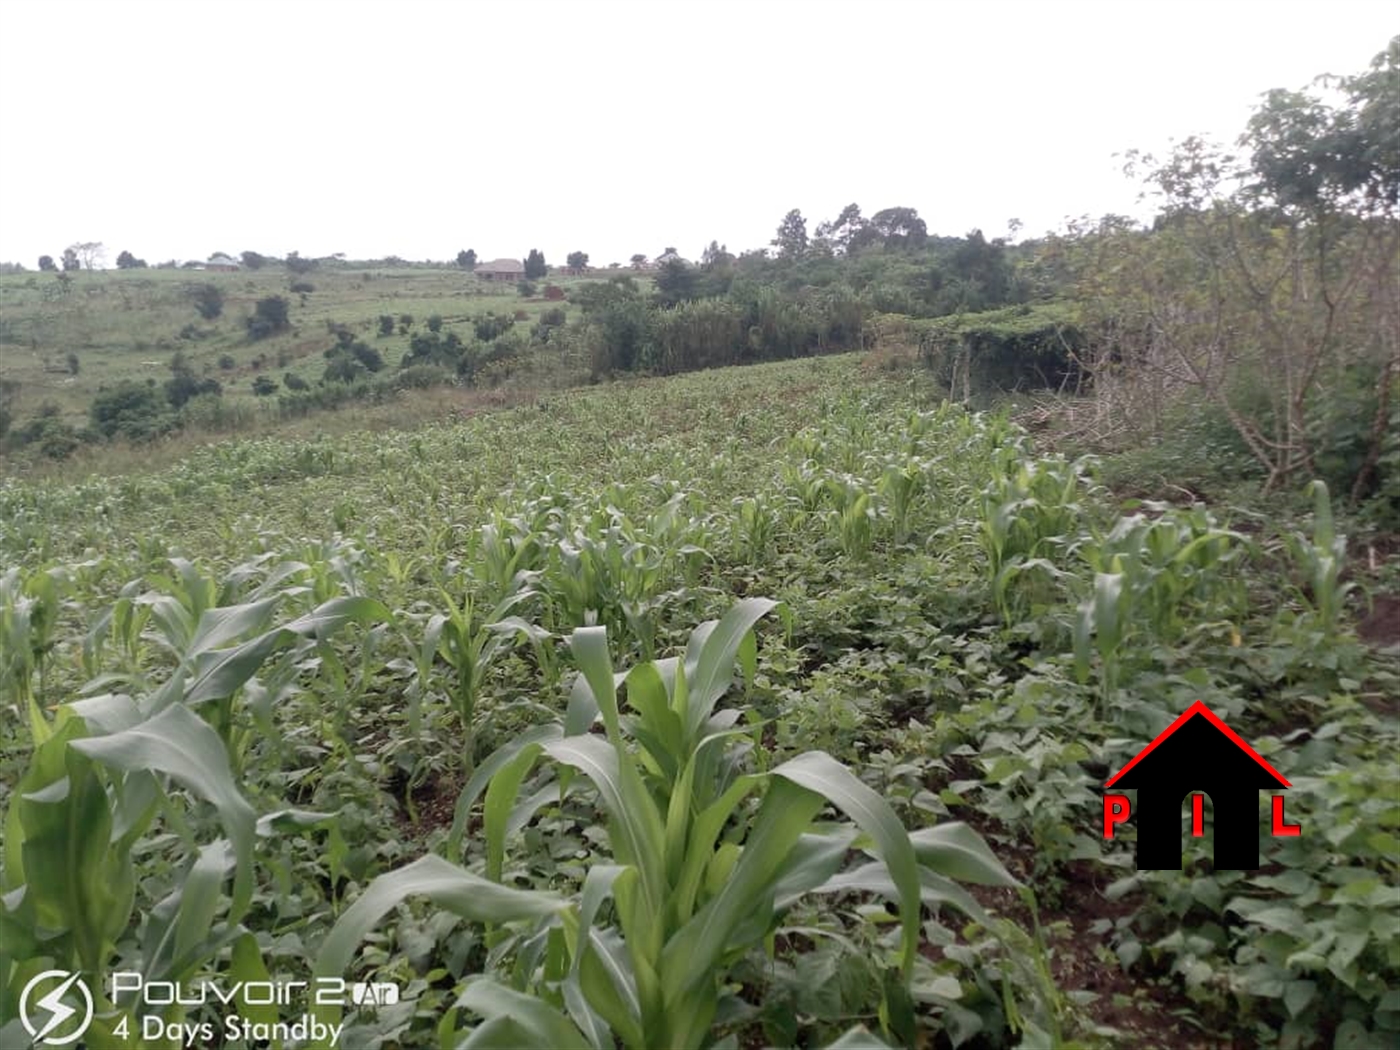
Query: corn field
[761,707]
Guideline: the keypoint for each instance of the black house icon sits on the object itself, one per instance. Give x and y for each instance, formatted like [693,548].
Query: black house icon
[1197,752]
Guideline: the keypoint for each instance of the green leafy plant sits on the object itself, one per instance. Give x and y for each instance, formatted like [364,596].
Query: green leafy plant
[699,877]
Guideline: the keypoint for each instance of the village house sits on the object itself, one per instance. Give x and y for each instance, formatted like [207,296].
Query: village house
[222,263]
[501,270]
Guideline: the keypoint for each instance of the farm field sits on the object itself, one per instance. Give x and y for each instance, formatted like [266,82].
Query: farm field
[352,706]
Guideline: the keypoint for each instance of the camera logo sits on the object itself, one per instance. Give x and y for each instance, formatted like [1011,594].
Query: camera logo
[58,1027]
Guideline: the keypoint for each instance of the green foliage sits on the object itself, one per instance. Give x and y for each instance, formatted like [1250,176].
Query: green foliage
[208,300]
[363,621]
[137,411]
[535,266]
[270,317]
[265,386]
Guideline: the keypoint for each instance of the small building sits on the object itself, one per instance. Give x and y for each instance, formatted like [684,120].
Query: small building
[667,257]
[223,263]
[501,270]
[1198,752]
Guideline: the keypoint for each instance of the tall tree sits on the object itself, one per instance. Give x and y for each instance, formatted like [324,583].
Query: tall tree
[535,266]
[127,261]
[46,264]
[638,261]
[467,259]
[578,261]
[70,260]
[791,240]
[900,227]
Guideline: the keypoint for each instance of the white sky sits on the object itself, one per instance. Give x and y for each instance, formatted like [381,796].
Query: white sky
[416,129]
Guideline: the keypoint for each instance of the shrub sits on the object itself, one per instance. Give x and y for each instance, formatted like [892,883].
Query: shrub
[526,289]
[386,325]
[208,300]
[435,323]
[72,362]
[367,356]
[292,381]
[132,410]
[302,287]
[48,433]
[488,326]
[227,362]
[264,386]
[418,377]
[269,317]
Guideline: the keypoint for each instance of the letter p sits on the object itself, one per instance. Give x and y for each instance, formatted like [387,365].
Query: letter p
[1115,811]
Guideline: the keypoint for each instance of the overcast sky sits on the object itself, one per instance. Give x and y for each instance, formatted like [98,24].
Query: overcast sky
[390,127]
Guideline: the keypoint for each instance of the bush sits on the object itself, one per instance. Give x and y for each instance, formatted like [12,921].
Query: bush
[302,287]
[208,412]
[419,377]
[208,300]
[132,410]
[367,356]
[227,362]
[386,325]
[264,386]
[292,381]
[269,317]
[72,361]
[488,326]
[526,289]
[48,433]
[435,323]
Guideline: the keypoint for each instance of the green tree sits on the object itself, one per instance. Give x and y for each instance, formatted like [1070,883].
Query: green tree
[70,260]
[791,240]
[296,264]
[676,282]
[131,410]
[578,261]
[208,300]
[270,316]
[264,386]
[467,259]
[638,261]
[127,261]
[47,265]
[253,260]
[535,266]
[900,227]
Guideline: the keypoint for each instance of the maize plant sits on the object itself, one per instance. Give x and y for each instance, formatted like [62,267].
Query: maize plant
[1172,566]
[706,857]
[1321,559]
[29,612]
[1030,513]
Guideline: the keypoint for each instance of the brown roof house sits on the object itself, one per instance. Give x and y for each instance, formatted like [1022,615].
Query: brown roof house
[501,270]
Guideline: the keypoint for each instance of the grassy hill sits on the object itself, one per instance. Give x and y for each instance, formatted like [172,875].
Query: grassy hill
[128,324]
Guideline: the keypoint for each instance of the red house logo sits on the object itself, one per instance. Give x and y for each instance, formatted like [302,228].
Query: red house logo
[1196,753]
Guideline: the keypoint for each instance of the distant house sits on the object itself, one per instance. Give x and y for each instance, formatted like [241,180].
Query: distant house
[501,270]
[668,256]
[223,263]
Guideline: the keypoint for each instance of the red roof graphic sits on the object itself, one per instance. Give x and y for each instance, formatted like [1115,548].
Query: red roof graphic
[1191,712]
